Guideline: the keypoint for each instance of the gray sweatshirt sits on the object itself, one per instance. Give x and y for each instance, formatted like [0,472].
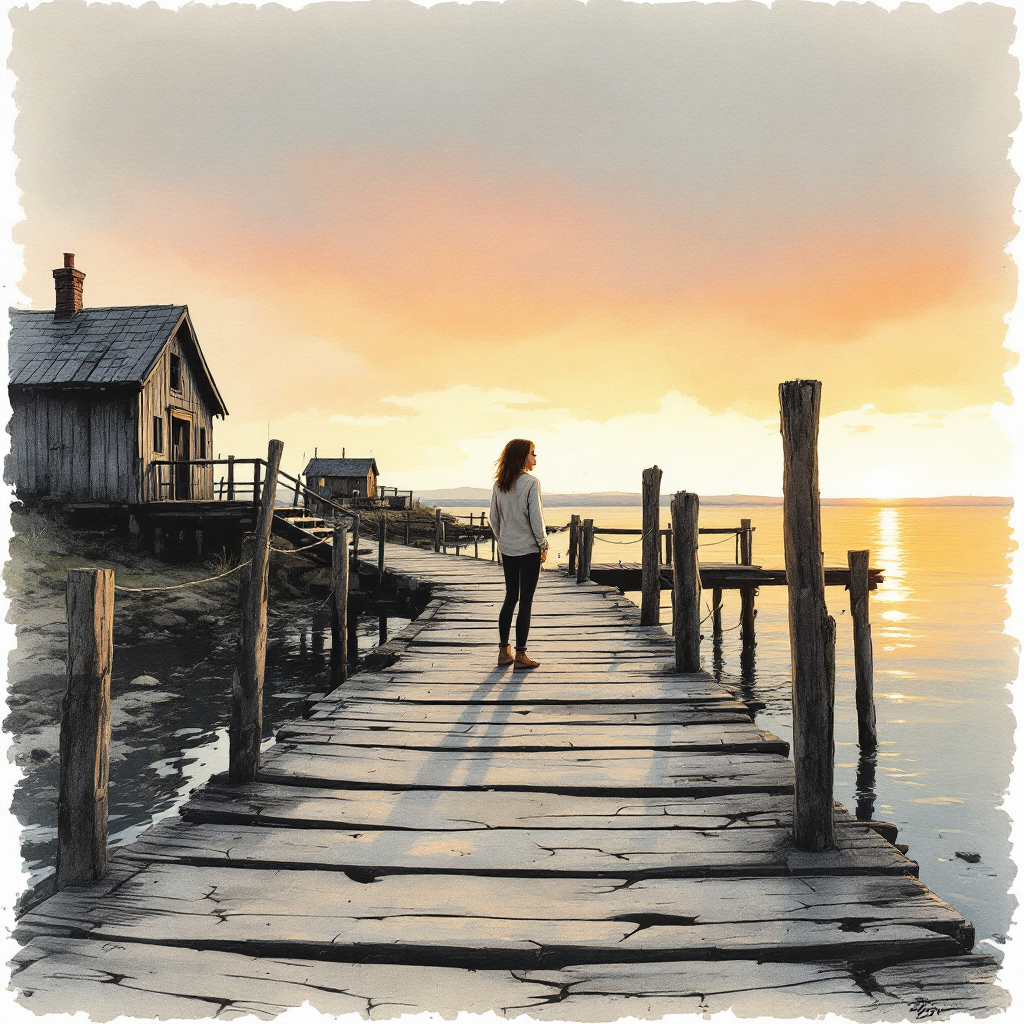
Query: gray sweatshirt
[517,517]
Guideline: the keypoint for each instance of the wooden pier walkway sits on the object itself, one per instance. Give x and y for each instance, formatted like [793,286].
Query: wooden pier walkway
[595,839]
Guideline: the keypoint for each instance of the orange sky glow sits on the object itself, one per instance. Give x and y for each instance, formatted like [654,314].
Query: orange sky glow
[611,228]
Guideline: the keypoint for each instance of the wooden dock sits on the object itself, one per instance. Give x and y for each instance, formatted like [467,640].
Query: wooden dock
[595,839]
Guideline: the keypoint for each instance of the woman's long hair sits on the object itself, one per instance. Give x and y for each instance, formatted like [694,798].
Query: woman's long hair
[512,462]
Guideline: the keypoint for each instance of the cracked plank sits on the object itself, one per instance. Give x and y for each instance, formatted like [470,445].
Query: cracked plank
[624,853]
[637,772]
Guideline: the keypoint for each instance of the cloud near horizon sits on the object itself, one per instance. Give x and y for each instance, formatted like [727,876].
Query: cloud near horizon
[862,453]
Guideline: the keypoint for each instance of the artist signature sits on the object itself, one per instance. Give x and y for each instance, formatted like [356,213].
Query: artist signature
[924,1008]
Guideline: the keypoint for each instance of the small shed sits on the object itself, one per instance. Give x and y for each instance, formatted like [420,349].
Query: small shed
[103,398]
[342,479]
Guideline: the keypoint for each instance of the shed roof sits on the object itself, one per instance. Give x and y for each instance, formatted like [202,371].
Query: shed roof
[105,345]
[340,467]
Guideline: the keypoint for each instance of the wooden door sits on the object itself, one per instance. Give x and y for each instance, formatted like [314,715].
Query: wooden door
[181,452]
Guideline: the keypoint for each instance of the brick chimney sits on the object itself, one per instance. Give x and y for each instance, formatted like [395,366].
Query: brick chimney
[68,282]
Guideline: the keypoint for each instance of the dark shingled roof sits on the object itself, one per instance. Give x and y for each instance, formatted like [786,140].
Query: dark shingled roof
[340,467]
[111,345]
[106,345]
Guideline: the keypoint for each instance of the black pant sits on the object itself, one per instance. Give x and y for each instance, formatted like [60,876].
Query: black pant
[521,575]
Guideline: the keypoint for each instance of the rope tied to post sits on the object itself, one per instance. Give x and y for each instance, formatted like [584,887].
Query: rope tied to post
[178,586]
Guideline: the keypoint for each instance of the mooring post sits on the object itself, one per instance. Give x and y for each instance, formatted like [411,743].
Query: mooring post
[408,528]
[586,551]
[747,632]
[574,542]
[668,546]
[444,537]
[382,534]
[716,613]
[437,529]
[339,606]
[812,632]
[85,729]
[231,478]
[863,656]
[493,546]
[246,728]
[256,469]
[650,549]
[686,580]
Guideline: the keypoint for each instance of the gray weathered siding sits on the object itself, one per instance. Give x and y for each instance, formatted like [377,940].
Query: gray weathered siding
[72,445]
[157,399]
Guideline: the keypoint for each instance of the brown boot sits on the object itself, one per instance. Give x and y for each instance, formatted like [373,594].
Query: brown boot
[523,660]
[505,654]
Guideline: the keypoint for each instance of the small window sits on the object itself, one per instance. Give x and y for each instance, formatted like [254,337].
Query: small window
[323,482]
[158,433]
[175,372]
[202,442]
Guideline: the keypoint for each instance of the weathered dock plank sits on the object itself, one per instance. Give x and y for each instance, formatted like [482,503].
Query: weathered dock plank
[149,980]
[498,735]
[634,853]
[634,772]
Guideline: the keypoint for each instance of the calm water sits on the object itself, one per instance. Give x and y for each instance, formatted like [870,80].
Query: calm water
[942,670]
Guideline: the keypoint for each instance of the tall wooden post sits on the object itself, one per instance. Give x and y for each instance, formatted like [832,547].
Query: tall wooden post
[231,478]
[686,580]
[382,533]
[408,528]
[85,729]
[437,529]
[574,542]
[812,631]
[339,607]
[246,729]
[747,593]
[863,657]
[586,551]
[256,470]
[650,549]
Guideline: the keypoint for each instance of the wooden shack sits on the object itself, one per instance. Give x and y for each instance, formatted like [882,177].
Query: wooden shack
[342,479]
[104,398]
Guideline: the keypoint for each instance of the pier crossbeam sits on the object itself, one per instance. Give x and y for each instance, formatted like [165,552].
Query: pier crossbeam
[627,576]
[445,834]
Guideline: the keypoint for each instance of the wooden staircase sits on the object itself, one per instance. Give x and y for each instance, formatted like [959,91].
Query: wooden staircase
[305,530]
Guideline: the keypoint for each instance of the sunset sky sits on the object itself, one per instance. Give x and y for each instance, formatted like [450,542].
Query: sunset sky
[612,228]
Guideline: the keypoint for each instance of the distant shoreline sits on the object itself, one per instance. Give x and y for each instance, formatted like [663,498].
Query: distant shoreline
[474,497]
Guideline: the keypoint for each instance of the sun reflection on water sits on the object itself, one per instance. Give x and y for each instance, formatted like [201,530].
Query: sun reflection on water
[890,559]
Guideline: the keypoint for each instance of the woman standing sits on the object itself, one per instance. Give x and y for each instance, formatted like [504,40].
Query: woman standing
[517,519]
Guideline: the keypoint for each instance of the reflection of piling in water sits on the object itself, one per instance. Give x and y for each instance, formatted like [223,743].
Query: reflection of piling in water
[866,794]
[863,659]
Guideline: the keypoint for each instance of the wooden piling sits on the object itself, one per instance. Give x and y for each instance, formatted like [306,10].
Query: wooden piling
[408,528]
[811,630]
[231,478]
[863,656]
[650,548]
[586,551]
[246,729]
[437,529]
[85,729]
[686,580]
[355,545]
[747,628]
[352,636]
[339,607]
[382,533]
[574,542]
[716,613]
